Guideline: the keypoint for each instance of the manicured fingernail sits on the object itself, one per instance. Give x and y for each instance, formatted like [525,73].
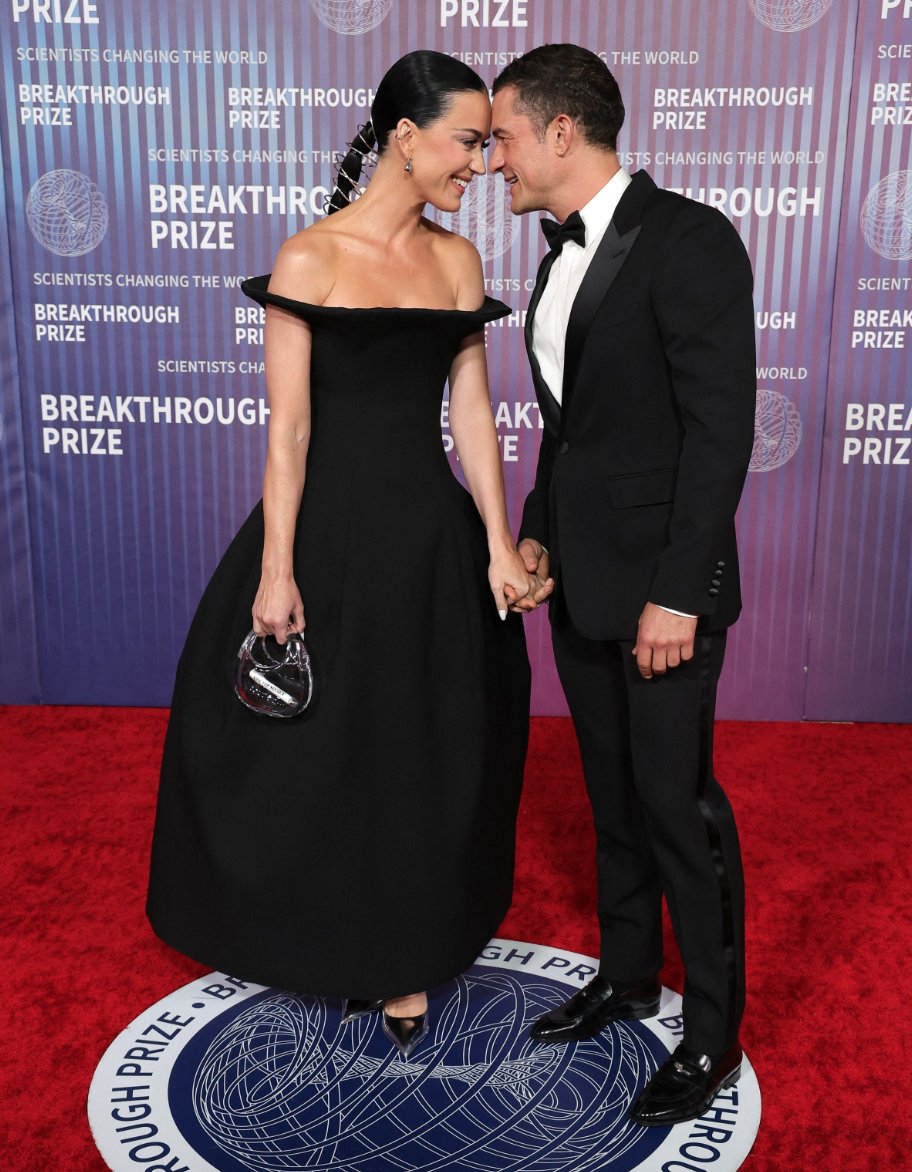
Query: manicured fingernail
[503,615]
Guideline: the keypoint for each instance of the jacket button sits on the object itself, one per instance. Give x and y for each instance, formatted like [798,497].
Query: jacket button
[720,565]
[717,581]
[564,448]
[713,590]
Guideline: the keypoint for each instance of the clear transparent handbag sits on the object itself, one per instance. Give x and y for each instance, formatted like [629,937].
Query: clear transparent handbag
[272,679]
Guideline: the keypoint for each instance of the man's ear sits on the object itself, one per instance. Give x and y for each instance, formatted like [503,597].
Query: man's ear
[563,131]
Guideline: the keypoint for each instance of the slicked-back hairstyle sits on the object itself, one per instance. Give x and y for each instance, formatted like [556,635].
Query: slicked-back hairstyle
[420,86]
[566,79]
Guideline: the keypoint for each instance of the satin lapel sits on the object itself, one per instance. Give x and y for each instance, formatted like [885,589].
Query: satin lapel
[548,405]
[606,264]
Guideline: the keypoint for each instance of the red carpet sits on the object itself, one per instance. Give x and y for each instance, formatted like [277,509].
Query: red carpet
[824,817]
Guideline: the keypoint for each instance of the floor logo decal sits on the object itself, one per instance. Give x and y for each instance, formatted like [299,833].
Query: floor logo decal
[227,1076]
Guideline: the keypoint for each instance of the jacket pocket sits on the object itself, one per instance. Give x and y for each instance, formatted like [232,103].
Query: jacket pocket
[642,488]
[621,320]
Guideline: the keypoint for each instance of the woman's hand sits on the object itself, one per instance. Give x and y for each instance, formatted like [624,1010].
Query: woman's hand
[277,608]
[513,587]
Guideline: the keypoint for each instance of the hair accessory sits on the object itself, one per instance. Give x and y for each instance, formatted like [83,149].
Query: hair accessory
[355,185]
[365,137]
[274,680]
[360,154]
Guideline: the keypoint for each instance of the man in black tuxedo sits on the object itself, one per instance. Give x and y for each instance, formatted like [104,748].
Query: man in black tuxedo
[640,335]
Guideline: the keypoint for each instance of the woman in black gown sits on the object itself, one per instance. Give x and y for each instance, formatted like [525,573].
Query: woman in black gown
[366,849]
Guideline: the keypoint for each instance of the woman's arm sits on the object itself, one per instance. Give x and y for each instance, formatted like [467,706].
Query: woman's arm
[475,436]
[278,607]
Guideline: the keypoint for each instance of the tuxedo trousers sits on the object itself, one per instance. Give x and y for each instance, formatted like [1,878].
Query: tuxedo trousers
[663,823]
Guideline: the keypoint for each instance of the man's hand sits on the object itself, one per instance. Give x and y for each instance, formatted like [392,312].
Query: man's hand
[533,554]
[663,640]
[536,562]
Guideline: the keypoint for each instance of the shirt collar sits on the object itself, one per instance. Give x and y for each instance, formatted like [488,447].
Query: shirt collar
[598,211]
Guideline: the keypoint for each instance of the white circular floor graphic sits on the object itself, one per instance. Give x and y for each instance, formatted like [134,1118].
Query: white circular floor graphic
[227,1076]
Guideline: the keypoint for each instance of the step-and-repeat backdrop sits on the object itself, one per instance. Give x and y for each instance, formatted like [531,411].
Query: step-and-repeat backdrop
[154,155]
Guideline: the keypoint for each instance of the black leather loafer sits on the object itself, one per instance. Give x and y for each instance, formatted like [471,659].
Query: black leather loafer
[593,1007]
[684,1086]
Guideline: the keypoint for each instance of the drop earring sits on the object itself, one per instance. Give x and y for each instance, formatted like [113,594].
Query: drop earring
[408,166]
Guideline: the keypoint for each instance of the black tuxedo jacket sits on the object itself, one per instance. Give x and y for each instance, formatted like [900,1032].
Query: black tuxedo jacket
[641,469]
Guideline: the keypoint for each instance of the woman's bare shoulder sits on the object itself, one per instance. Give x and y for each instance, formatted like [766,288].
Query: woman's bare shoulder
[461,263]
[304,268]
[451,241]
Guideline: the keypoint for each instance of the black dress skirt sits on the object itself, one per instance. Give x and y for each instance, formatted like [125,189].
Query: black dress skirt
[366,848]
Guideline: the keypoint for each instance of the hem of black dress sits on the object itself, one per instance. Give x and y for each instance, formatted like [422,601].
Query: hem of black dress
[431,979]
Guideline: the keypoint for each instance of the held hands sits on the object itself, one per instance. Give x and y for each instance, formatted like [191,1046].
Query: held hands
[514,585]
[277,608]
[535,563]
[664,640]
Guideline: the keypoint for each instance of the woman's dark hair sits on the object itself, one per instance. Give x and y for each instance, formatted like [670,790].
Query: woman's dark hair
[350,169]
[419,86]
[566,79]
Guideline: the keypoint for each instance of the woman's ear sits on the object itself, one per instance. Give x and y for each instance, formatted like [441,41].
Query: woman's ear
[405,137]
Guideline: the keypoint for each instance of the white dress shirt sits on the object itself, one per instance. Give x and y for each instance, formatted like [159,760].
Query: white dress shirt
[549,328]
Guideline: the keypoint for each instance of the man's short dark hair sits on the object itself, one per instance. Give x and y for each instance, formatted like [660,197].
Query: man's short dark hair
[566,79]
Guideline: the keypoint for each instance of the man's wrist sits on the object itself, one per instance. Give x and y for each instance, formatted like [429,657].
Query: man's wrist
[680,613]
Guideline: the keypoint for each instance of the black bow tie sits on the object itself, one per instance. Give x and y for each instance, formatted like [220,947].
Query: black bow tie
[557,235]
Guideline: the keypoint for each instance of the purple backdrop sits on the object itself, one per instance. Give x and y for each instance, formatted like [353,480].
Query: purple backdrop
[860,646]
[18,662]
[133,401]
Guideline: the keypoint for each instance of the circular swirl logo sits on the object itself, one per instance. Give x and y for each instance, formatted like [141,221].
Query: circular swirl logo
[300,1082]
[67,213]
[886,216]
[352,17]
[777,432]
[228,1076]
[789,16]
[483,217]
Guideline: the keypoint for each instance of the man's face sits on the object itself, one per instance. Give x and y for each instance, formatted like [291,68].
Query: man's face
[525,161]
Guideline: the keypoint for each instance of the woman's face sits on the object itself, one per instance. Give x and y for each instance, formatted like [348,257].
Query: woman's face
[449,153]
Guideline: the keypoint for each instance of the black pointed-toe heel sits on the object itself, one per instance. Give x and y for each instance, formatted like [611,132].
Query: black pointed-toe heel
[405,1032]
[354,1007]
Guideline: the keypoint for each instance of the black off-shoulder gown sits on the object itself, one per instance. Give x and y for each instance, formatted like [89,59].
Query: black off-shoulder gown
[366,848]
